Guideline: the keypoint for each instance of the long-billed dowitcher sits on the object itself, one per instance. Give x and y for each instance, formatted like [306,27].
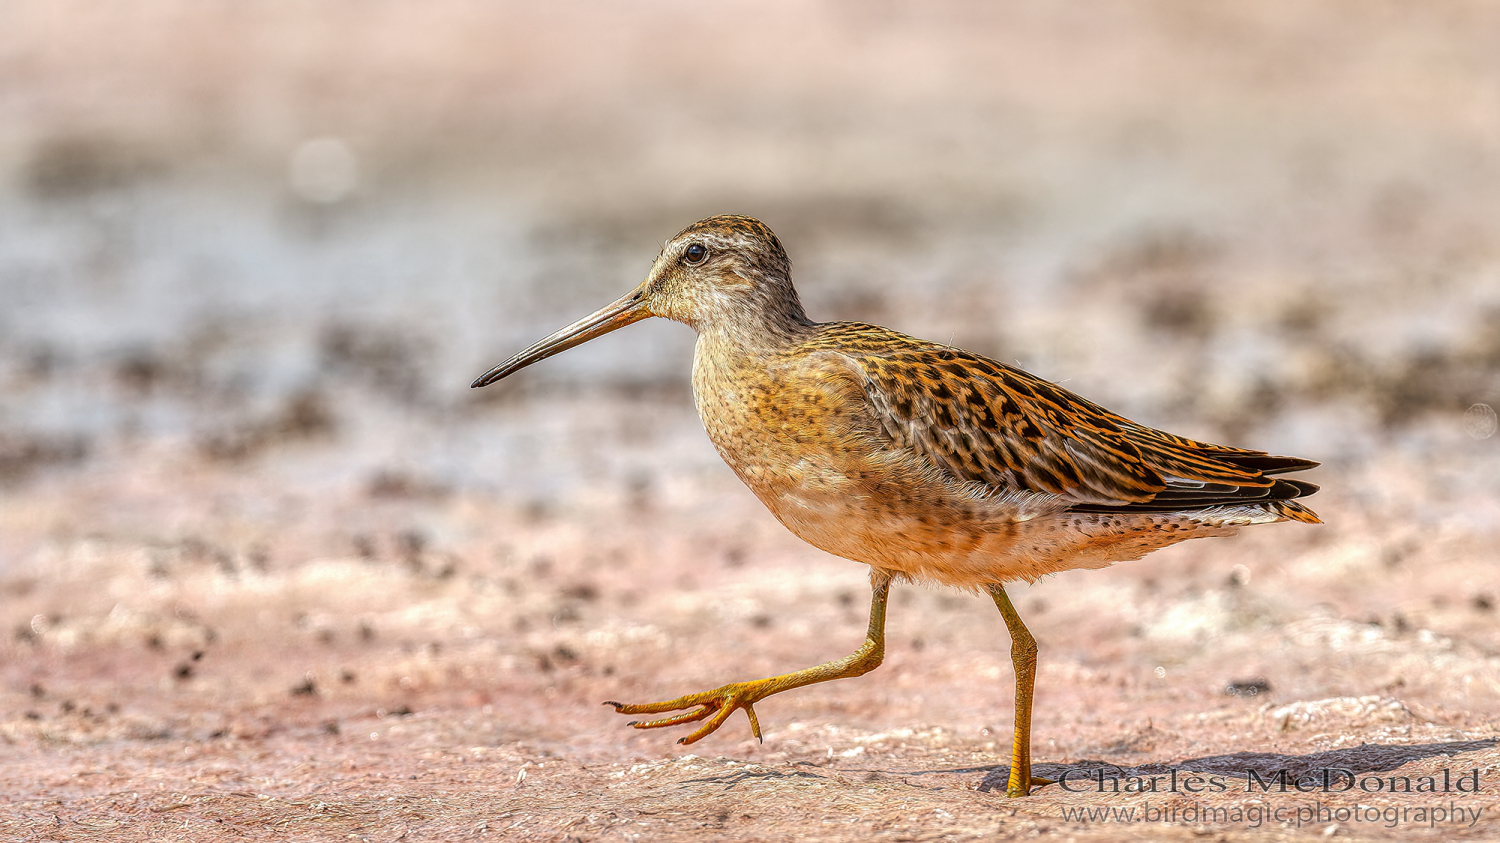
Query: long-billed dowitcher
[926,462]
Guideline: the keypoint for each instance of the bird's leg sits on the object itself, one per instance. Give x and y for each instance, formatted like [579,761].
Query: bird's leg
[1023,657]
[718,704]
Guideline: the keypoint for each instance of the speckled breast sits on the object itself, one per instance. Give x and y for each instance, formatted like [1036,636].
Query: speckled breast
[793,431]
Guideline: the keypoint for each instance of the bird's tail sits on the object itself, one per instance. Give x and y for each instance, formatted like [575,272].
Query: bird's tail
[1293,511]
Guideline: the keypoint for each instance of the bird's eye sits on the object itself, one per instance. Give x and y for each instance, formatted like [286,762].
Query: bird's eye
[695,254]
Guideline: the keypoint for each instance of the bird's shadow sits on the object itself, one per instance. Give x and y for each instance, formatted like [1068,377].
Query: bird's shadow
[733,780]
[1265,766]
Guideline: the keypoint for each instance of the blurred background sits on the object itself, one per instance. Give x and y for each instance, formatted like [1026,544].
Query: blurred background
[1273,224]
[252,254]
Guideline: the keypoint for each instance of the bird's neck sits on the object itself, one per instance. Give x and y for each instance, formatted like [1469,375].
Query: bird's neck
[763,331]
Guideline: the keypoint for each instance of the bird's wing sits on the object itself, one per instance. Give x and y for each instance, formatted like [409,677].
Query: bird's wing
[985,422]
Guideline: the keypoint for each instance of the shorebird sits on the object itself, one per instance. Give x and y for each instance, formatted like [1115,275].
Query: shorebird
[926,462]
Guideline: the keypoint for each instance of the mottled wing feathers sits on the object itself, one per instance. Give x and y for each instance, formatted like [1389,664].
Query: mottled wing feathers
[998,430]
[985,422]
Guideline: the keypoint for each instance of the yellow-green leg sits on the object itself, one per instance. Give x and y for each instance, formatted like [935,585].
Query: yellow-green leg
[718,704]
[1023,657]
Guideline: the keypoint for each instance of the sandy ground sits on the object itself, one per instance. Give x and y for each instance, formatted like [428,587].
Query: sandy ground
[268,570]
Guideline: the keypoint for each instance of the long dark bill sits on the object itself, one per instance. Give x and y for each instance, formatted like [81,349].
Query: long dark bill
[627,310]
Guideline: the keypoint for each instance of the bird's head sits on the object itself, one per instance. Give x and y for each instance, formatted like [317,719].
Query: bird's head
[725,273]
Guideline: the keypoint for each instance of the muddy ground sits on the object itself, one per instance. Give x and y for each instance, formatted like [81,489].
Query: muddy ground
[269,570]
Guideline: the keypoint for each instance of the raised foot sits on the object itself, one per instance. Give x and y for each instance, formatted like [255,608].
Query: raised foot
[713,707]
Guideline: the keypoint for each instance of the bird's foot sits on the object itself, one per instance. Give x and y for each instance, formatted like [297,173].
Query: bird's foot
[1014,791]
[713,707]
[1001,779]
